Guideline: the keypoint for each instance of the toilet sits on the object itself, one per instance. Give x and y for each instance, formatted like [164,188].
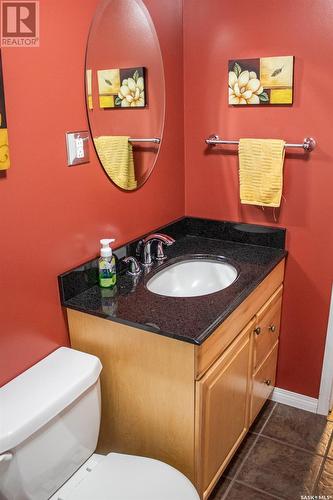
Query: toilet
[49,425]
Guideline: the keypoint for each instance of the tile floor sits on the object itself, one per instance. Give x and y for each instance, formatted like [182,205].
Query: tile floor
[287,454]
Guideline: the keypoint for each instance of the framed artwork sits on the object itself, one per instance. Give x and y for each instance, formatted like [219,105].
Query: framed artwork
[89,89]
[265,80]
[4,149]
[122,88]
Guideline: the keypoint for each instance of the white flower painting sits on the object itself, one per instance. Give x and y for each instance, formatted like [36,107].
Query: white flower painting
[122,88]
[266,80]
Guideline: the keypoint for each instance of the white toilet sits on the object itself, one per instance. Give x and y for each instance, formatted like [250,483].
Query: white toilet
[49,424]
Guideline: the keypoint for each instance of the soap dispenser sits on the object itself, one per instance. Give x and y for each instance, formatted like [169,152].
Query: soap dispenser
[107,265]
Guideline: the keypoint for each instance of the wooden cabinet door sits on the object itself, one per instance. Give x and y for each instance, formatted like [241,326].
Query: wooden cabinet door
[222,401]
[267,328]
[263,383]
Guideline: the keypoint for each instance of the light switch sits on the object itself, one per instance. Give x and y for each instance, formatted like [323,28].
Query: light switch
[77,147]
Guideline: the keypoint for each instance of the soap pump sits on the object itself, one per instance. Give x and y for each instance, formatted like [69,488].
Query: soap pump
[107,265]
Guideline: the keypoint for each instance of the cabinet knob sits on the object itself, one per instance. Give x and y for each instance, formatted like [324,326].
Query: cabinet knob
[257,330]
[272,328]
[267,381]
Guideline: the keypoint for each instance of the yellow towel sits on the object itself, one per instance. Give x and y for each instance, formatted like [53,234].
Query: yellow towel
[4,150]
[261,171]
[116,155]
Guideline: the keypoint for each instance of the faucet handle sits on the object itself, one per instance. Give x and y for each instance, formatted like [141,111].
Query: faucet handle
[165,240]
[134,266]
[160,252]
[147,242]
[138,250]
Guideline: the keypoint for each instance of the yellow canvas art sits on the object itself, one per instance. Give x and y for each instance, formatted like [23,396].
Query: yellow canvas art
[89,88]
[122,88]
[276,72]
[4,149]
[265,80]
[108,86]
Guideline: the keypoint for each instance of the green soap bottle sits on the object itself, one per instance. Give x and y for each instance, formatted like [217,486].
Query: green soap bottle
[107,265]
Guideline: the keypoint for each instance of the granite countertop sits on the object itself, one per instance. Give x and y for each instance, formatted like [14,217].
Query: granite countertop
[190,319]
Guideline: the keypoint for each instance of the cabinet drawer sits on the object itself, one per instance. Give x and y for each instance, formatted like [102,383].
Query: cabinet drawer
[263,383]
[267,329]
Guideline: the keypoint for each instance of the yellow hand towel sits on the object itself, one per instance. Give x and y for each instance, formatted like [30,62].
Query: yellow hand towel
[4,150]
[261,171]
[116,155]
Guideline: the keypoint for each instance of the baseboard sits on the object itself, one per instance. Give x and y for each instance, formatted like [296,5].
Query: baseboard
[294,399]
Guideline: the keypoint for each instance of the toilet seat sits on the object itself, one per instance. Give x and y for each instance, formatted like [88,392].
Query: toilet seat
[127,477]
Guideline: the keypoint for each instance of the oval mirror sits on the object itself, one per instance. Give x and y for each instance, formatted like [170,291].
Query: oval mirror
[125,91]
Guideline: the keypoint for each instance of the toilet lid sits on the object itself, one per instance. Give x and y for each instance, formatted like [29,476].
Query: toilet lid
[128,477]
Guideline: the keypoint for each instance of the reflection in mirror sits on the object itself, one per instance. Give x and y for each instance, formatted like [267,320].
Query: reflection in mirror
[125,91]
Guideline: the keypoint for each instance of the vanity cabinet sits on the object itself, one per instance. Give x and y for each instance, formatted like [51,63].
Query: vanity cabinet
[185,404]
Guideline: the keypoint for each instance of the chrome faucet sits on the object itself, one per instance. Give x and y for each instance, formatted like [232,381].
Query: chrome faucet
[161,239]
[134,266]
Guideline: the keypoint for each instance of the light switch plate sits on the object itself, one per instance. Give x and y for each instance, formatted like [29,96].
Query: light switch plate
[77,147]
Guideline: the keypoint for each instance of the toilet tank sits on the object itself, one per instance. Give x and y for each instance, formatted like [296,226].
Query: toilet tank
[49,424]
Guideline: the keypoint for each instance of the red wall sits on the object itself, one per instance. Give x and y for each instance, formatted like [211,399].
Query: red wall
[302,28]
[52,216]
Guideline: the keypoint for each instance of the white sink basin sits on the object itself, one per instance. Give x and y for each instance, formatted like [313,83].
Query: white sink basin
[192,278]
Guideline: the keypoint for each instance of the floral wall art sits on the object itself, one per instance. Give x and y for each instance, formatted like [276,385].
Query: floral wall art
[122,88]
[265,80]
[89,89]
[4,150]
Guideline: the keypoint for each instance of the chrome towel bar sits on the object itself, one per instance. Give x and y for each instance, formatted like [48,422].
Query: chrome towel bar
[308,144]
[156,140]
